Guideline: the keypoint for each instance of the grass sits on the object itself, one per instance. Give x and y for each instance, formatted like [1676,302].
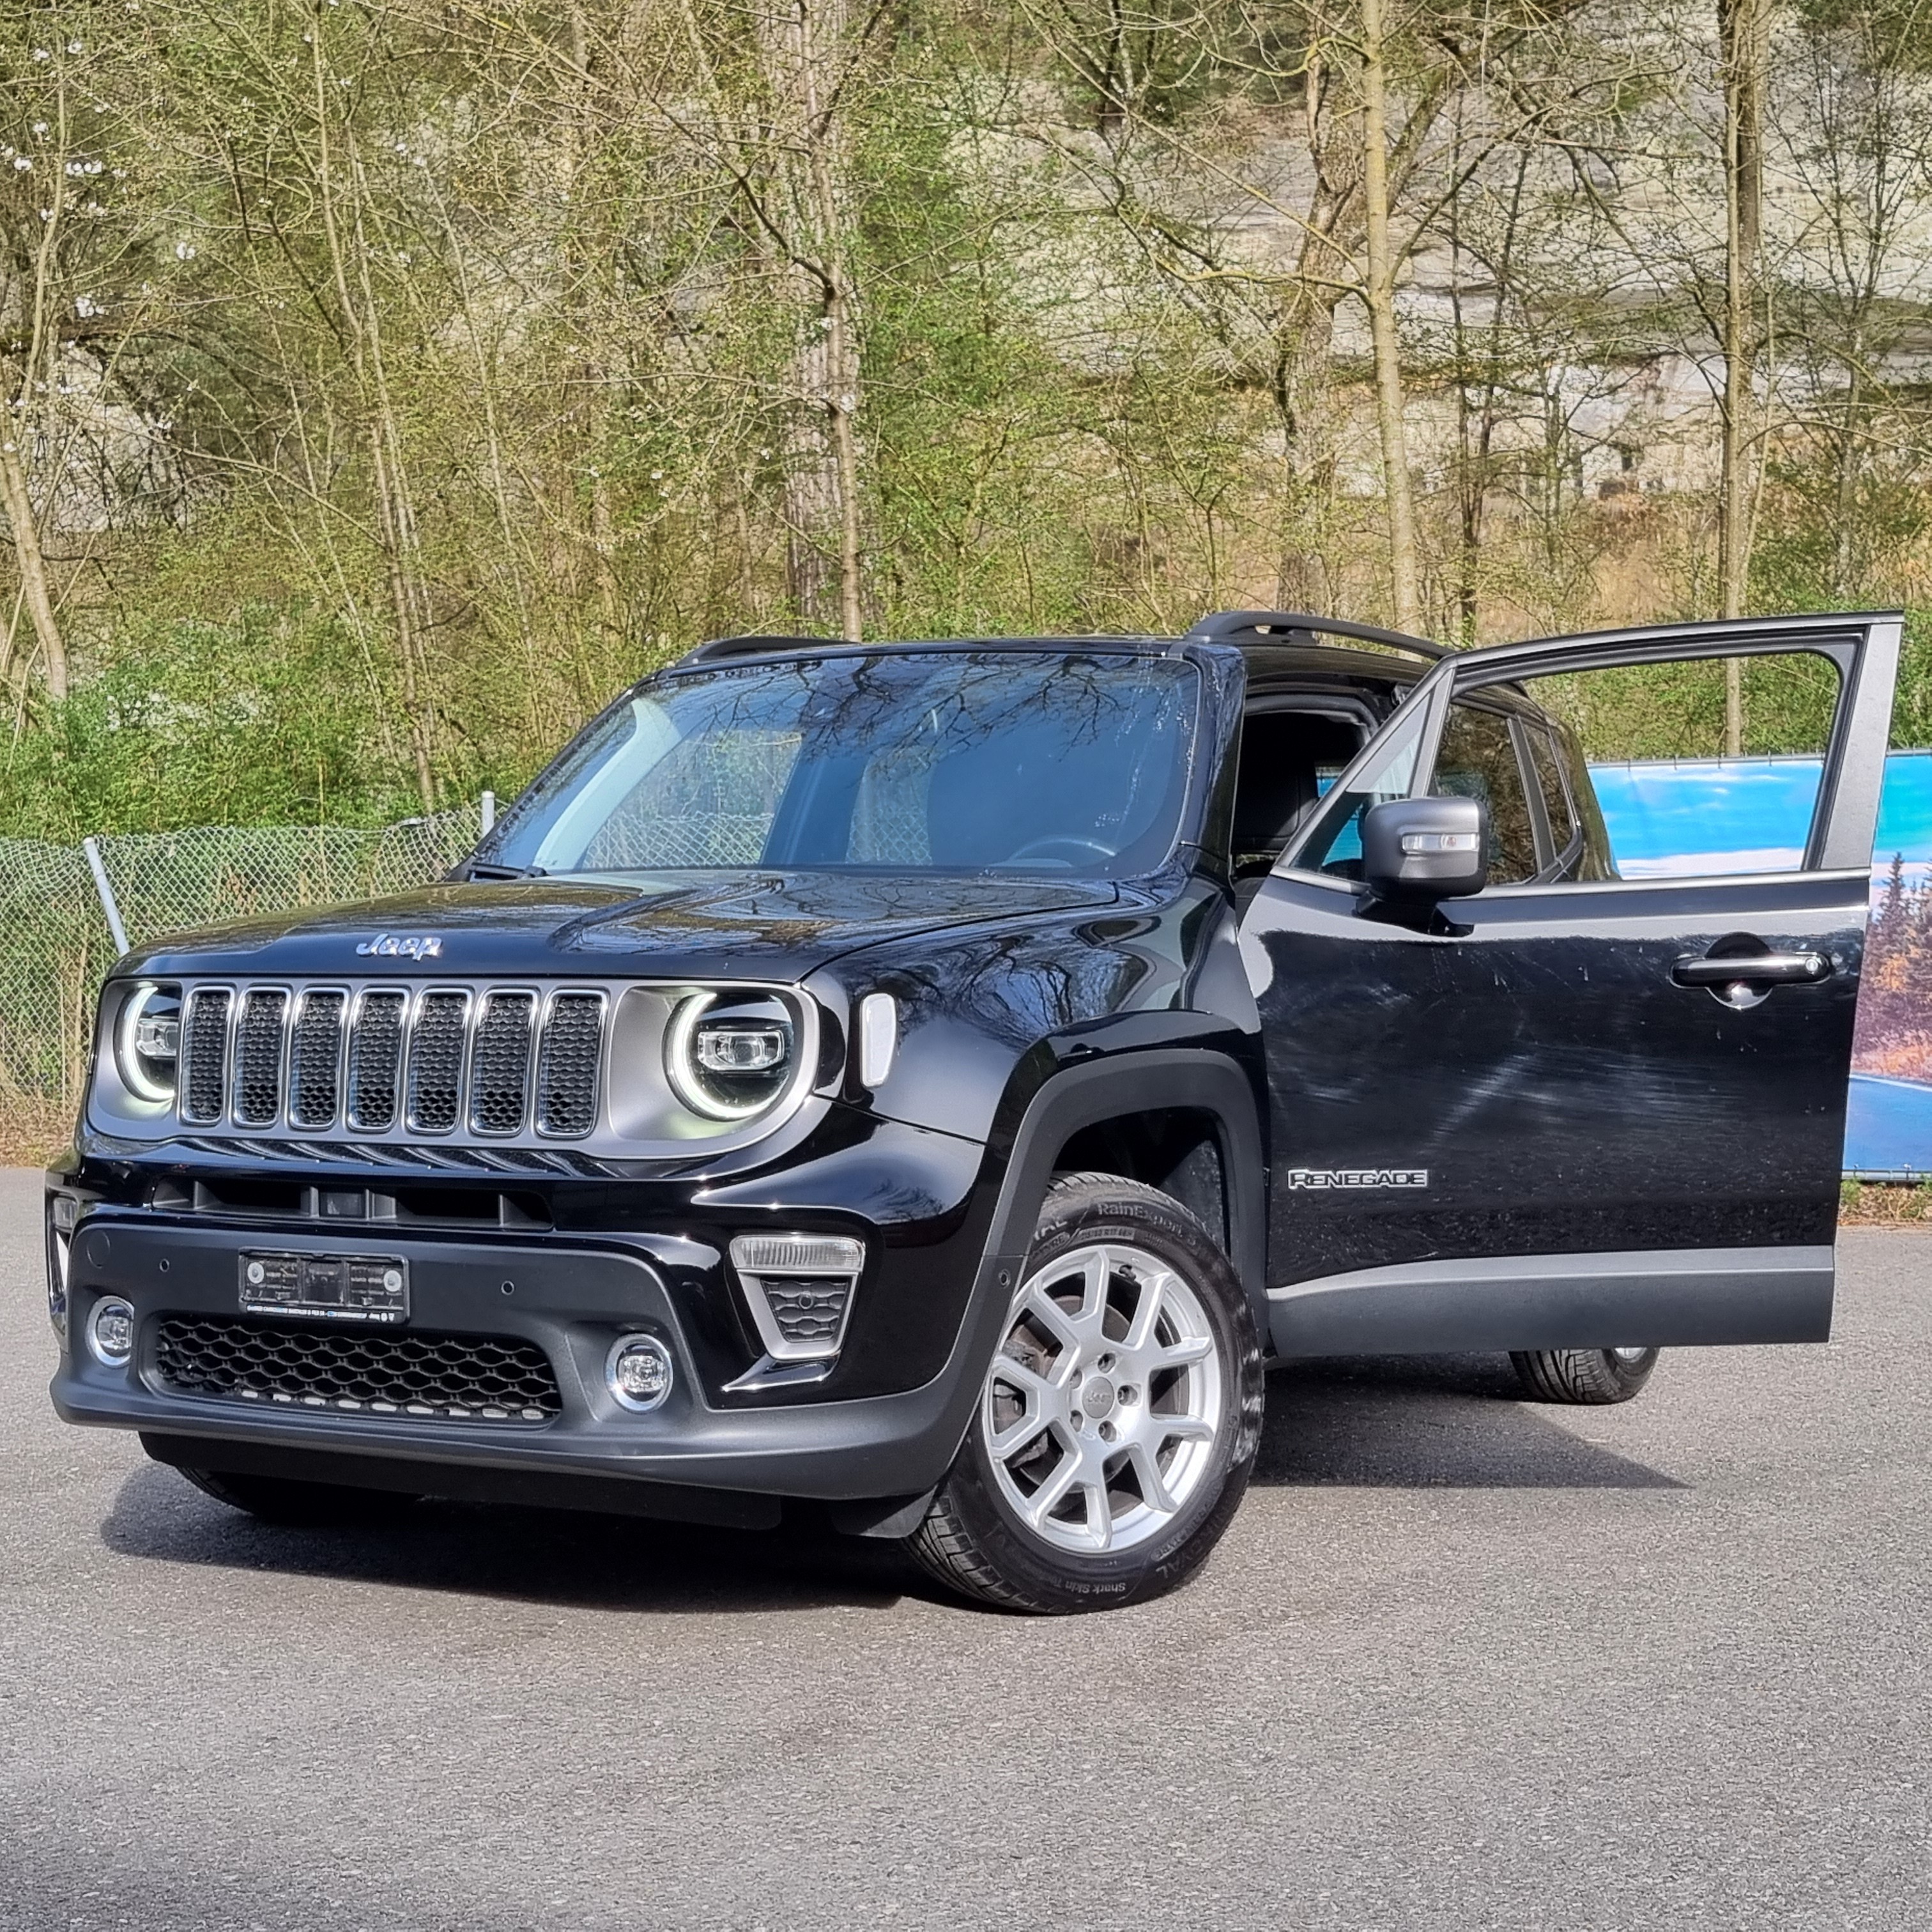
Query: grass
[1871,1203]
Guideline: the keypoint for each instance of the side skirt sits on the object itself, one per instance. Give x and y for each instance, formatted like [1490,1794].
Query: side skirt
[1671,1297]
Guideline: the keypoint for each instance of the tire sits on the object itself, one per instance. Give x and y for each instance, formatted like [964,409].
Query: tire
[291,1505]
[1130,1522]
[1584,1376]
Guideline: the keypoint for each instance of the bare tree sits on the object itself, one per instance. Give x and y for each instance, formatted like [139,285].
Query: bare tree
[1744,28]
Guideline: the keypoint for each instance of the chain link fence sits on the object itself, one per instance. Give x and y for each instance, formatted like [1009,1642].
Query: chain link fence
[56,945]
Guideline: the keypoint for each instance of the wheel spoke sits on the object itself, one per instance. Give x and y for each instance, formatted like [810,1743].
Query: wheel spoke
[1040,1309]
[1053,1491]
[1023,1379]
[1190,1348]
[1147,1470]
[1099,1510]
[1153,1284]
[1004,1443]
[1179,1429]
[1094,1276]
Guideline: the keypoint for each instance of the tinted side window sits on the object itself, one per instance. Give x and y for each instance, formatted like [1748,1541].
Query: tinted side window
[1556,806]
[1333,843]
[1593,861]
[1478,759]
[1676,794]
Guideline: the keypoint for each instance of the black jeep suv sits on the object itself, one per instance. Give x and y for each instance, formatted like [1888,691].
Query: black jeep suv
[929,1083]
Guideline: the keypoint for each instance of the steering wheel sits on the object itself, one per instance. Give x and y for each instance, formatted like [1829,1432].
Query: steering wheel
[1064,846]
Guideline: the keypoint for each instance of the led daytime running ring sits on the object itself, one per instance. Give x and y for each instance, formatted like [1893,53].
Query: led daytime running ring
[680,1064]
[142,1084]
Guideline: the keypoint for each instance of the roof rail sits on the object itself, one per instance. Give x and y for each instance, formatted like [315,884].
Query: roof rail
[1260,627]
[751,646]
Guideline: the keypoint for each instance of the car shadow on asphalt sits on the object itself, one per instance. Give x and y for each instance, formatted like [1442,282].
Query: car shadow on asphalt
[566,1558]
[1396,1422]
[1430,1422]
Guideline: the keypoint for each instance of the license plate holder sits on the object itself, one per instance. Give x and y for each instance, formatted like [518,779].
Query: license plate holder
[366,1289]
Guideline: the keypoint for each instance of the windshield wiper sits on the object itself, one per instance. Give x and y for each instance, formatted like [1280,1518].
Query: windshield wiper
[489,870]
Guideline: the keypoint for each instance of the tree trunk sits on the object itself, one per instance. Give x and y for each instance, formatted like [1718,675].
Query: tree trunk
[1845,508]
[808,56]
[36,593]
[1378,295]
[1744,29]
[1326,272]
[395,522]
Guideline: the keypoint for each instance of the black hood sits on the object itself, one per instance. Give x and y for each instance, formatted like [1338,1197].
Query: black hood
[761,925]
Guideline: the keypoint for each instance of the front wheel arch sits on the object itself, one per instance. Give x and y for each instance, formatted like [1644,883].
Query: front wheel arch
[1124,1087]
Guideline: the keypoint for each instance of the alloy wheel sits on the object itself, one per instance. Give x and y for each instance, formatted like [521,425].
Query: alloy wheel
[1101,1409]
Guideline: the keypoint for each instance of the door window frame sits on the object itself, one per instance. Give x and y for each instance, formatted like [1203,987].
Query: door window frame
[1863,647]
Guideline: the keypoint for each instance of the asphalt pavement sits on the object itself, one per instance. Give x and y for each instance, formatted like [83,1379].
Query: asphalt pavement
[1462,1661]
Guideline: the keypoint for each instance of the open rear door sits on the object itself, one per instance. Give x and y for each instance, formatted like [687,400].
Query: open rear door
[1577,1109]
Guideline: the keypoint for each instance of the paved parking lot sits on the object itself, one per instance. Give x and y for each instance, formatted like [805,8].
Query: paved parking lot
[1461,1661]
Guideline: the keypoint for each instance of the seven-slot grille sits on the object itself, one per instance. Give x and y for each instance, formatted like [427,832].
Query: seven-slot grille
[498,1060]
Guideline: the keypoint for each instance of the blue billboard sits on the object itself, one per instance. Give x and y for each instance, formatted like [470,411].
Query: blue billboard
[1689,816]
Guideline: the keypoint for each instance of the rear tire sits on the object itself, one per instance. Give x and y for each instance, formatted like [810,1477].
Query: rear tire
[1584,1376]
[1117,1425]
[291,1505]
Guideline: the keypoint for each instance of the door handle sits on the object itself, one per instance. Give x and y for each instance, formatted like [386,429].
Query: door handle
[1753,969]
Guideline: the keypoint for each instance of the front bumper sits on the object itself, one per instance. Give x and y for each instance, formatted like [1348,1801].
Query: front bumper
[931,1299]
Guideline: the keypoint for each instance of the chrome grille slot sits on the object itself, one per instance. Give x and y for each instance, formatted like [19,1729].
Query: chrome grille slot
[436,1042]
[376,1060]
[499,1062]
[258,1056]
[204,1079]
[315,1059]
[567,1064]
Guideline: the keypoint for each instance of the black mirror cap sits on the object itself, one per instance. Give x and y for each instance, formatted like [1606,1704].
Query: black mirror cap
[1426,848]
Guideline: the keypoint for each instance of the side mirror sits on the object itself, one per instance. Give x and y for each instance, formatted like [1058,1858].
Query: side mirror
[1426,848]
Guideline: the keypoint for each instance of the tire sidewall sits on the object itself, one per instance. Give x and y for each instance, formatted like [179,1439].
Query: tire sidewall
[1078,1214]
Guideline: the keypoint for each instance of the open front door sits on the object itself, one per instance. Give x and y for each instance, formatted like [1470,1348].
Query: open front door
[1594,1105]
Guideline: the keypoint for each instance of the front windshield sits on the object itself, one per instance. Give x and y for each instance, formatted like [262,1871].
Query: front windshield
[939,761]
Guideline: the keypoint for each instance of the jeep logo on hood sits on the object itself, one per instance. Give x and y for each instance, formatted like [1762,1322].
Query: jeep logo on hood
[401,946]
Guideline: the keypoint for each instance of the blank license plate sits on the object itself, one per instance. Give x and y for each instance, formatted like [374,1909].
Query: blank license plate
[328,1287]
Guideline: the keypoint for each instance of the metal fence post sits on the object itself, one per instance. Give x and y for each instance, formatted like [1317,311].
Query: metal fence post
[489,812]
[92,847]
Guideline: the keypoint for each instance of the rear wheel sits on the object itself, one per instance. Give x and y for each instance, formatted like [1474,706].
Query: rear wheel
[1588,1375]
[1117,1423]
[299,1505]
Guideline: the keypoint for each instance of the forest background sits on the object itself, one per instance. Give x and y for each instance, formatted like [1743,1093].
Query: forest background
[390,382]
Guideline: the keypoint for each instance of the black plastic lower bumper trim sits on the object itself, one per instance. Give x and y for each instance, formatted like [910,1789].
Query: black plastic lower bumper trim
[462,1482]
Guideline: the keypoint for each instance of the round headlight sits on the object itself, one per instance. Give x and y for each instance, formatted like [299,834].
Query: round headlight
[727,1056]
[147,1040]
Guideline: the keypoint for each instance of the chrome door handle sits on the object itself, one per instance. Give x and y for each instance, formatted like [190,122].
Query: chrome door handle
[1753,969]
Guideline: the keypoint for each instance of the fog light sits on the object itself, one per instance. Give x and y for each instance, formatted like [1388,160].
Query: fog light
[638,1368]
[66,1212]
[110,1332]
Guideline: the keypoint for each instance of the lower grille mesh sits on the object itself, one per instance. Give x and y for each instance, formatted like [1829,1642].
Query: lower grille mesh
[438,1378]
